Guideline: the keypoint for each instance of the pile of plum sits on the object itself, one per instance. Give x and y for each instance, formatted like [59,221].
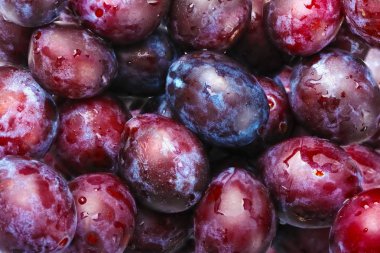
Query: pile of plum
[178,126]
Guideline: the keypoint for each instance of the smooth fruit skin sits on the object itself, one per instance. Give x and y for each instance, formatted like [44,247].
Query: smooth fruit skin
[164,163]
[363,19]
[291,239]
[14,43]
[255,48]
[356,227]
[334,96]
[70,61]
[28,115]
[37,207]
[90,132]
[31,13]
[281,119]
[309,179]
[368,163]
[122,22]
[143,66]
[216,98]
[212,24]
[303,27]
[106,213]
[160,233]
[235,215]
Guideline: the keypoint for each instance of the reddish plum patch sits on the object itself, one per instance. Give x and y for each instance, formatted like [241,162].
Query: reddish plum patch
[106,213]
[28,116]
[90,134]
[356,228]
[335,96]
[235,215]
[164,163]
[122,22]
[309,179]
[363,18]
[71,62]
[368,163]
[303,27]
[37,207]
[212,24]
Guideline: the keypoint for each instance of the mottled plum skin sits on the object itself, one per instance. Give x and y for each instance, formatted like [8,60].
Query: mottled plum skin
[309,179]
[143,66]
[14,43]
[159,233]
[217,99]
[284,77]
[122,22]
[280,121]
[291,239]
[363,18]
[368,163]
[31,13]
[303,27]
[106,214]
[38,210]
[235,215]
[28,115]
[212,24]
[70,61]
[90,134]
[347,41]
[356,227]
[334,96]
[255,47]
[164,163]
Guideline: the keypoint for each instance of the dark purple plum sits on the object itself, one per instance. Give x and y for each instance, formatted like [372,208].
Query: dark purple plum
[71,62]
[212,24]
[38,210]
[143,66]
[31,13]
[363,18]
[122,22]
[284,77]
[235,215]
[368,163]
[335,96]
[280,121]
[90,134]
[164,163]
[159,233]
[303,27]
[28,115]
[291,239]
[217,99]
[14,43]
[255,47]
[309,179]
[106,213]
[347,41]
[356,228]
[158,105]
